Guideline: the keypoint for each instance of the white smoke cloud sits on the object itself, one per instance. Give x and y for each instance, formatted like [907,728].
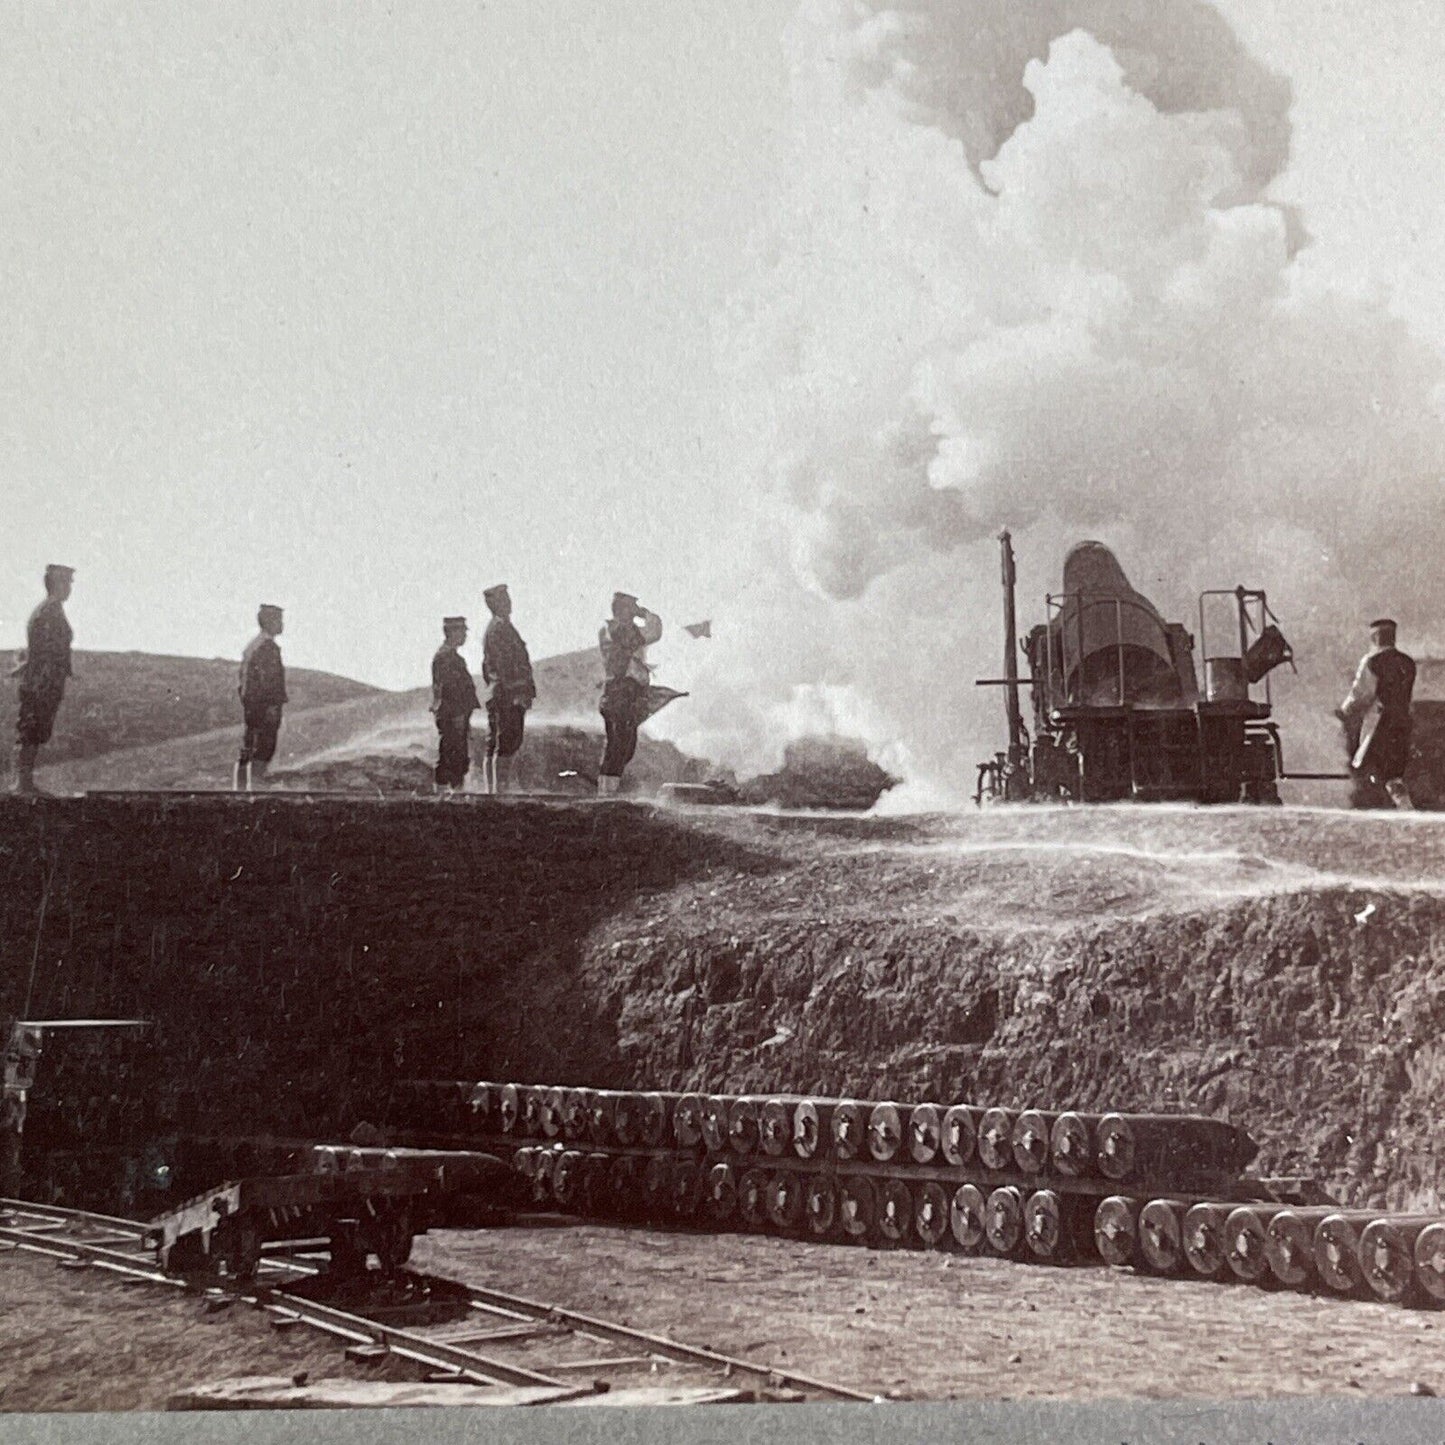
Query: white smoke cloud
[1029,276]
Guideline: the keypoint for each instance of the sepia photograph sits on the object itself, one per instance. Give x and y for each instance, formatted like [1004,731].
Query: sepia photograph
[726,706]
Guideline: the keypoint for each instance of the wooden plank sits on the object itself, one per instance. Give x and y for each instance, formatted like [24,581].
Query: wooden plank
[260,1392]
[652,1395]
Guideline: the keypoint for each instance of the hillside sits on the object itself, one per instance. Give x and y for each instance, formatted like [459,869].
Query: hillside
[330,725]
[136,699]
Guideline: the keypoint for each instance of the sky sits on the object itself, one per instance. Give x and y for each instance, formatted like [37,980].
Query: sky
[362,310]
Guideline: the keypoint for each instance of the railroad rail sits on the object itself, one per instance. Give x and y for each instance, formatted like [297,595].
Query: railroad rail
[1162,1194]
[488,1317]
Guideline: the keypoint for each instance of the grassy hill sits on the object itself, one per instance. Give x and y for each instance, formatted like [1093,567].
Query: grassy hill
[136,699]
[132,720]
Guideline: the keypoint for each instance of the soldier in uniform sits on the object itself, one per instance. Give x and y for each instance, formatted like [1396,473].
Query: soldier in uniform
[1376,713]
[454,700]
[263,694]
[624,639]
[42,671]
[507,674]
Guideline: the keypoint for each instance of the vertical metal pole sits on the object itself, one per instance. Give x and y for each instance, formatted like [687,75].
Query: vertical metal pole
[1017,748]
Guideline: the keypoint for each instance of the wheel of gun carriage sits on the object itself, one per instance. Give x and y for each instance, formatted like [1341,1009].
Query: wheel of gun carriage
[821,1206]
[787,1201]
[930,1213]
[753,1198]
[857,1206]
[965,1217]
[895,1212]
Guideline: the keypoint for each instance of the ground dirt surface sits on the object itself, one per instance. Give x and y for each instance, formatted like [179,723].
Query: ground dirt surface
[1280,968]
[82,1340]
[937,1326]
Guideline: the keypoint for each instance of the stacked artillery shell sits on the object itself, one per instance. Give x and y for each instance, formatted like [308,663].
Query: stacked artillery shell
[813,1128]
[1029,1140]
[1154,1192]
[1430,1262]
[1246,1241]
[1116,1230]
[1386,1256]
[1203,1236]
[848,1128]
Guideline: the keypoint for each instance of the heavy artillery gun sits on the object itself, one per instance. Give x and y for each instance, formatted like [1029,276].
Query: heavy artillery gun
[1117,709]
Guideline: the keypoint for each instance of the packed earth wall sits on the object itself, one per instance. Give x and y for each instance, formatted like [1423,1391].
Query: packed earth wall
[1284,972]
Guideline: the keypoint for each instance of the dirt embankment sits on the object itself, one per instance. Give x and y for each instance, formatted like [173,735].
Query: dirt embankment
[1283,969]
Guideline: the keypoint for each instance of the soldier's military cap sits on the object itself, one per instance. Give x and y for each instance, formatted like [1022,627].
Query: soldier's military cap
[454,621]
[493,593]
[623,599]
[1386,622]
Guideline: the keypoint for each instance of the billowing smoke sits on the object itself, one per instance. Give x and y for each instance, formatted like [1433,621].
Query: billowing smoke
[1029,275]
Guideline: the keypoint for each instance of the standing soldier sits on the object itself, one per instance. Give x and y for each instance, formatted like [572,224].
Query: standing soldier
[454,700]
[43,671]
[263,695]
[1377,711]
[625,704]
[507,674]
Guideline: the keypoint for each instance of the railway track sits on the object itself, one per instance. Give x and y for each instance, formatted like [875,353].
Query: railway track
[454,1332]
